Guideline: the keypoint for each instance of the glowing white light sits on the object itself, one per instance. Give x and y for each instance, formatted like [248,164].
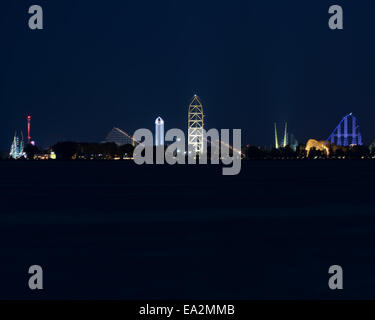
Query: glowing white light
[159,131]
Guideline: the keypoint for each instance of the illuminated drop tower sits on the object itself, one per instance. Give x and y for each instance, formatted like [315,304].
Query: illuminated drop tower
[28,129]
[195,126]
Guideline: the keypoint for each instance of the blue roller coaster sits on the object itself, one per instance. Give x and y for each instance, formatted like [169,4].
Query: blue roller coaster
[347,132]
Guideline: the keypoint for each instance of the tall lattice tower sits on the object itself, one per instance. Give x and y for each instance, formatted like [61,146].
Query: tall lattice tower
[195,125]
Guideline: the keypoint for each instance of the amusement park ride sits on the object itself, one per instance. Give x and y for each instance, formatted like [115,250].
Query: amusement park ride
[341,136]
[18,145]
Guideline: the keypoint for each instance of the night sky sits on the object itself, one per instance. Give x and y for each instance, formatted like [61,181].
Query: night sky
[99,64]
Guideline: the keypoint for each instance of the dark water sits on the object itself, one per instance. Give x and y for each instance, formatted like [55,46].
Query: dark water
[120,231]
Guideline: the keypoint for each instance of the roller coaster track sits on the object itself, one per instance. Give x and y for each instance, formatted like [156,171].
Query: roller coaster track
[341,135]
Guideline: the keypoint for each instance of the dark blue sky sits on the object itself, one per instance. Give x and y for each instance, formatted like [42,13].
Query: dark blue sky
[99,64]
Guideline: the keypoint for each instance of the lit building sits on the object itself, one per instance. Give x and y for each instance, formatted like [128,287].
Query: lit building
[195,126]
[159,132]
[292,141]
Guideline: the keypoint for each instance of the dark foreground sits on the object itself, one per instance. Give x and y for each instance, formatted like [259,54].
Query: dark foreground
[113,230]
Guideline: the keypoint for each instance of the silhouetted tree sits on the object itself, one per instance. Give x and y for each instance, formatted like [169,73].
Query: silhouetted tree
[287,152]
[314,153]
[357,152]
[66,150]
[127,150]
[253,152]
[31,151]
